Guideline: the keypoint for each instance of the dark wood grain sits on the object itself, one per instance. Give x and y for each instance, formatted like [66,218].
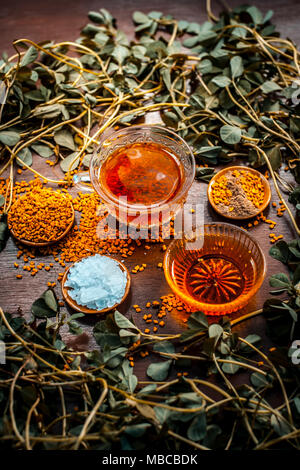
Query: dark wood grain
[62,20]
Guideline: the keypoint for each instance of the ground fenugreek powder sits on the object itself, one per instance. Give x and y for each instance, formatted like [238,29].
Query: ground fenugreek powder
[238,193]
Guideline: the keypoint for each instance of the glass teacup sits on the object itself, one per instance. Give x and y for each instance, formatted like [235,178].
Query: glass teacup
[139,214]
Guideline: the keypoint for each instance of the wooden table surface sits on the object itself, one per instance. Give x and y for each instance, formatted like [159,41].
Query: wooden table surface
[62,20]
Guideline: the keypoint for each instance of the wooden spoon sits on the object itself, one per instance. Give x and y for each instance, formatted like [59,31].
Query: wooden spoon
[81,308]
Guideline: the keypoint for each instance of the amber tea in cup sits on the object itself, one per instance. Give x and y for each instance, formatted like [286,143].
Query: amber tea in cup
[145,173]
[142,173]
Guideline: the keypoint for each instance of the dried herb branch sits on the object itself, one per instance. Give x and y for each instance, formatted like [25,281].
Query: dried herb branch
[232,92]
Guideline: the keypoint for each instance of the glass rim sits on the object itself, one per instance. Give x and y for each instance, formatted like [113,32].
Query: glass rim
[110,199]
[222,224]
[185,297]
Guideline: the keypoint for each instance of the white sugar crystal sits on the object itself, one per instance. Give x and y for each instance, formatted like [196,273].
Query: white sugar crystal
[96,282]
[91,294]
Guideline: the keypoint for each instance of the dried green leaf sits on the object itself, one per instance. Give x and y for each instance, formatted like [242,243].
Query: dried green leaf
[4,232]
[230,134]
[197,429]
[270,86]
[29,56]
[274,155]
[268,16]
[120,53]
[255,15]
[215,330]
[24,156]
[139,17]
[104,334]
[132,383]
[280,280]
[280,251]
[259,380]
[230,368]
[159,371]
[137,430]
[9,138]
[252,339]
[191,42]
[205,66]
[48,111]
[144,26]
[148,389]
[45,306]
[67,165]
[198,321]
[280,425]
[209,152]
[123,322]
[43,150]
[96,17]
[236,66]
[74,327]
[65,139]
[204,174]
[221,81]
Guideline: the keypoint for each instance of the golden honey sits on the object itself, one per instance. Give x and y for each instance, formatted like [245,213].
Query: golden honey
[215,279]
[216,272]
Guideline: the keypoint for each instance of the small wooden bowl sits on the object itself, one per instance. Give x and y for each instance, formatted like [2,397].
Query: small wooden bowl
[51,242]
[82,308]
[266,185]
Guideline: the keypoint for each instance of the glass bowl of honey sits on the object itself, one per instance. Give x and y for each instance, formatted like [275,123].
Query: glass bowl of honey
[216,270]
[142,174]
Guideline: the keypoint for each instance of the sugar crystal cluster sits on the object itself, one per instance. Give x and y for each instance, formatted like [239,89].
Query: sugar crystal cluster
[96,282]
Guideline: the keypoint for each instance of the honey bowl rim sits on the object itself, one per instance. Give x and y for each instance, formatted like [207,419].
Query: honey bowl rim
[216,309]
[260,209]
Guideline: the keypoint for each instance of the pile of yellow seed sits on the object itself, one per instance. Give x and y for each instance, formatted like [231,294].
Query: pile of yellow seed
[251,184]
[220,192]
[40,215]
[253,187]
[89,236]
